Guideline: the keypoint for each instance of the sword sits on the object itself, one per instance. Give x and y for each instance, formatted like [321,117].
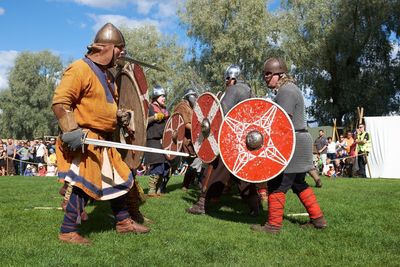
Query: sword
[103,143]
[135,61]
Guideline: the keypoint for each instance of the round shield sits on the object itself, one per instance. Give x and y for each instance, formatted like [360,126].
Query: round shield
[185,110]
[130,97]
[206,121]
[256,140]
[140,79]
[173,135]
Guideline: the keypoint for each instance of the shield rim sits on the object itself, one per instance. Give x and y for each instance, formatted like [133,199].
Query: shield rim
[191,132]
[293,133]
[128,70]
[144,96]
[171,157]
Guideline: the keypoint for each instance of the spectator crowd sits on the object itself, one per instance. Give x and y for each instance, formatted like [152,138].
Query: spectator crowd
[28,157]
[345,157]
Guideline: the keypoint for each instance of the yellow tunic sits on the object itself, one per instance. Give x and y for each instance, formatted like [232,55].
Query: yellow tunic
[99,172]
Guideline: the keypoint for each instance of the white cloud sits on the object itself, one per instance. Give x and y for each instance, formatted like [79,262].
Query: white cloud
[7,59]
[143,6]
[167,9]
[163,8]
[119,21]
[2,11]
[102,3]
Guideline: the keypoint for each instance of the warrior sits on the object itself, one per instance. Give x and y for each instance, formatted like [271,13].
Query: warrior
[236,91]
[159,166]
[85,103]
[185,108]
[289,97]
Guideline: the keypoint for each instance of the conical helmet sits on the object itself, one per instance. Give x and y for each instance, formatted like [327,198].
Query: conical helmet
[275,66]
[109,34]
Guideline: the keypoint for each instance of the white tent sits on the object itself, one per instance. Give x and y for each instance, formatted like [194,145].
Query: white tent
[384,159]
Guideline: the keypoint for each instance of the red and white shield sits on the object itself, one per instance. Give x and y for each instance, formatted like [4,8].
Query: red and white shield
[173,135]
[256,140]
[140,78]
[206,120]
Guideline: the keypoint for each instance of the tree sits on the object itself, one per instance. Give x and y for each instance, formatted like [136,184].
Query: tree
[149,45]
[342,52]
[26,104]
[228,32]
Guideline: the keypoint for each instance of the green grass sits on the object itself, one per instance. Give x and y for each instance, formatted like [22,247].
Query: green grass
[363,217]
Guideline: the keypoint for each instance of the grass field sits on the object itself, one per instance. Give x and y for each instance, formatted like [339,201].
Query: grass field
[363,217]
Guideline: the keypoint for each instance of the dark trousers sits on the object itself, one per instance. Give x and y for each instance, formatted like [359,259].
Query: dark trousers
[77,203]
[286,181]
[361,165]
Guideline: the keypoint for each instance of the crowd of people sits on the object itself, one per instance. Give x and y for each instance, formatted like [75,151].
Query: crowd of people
[346,157]
[28,157]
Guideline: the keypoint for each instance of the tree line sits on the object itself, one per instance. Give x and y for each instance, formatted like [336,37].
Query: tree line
[340,52]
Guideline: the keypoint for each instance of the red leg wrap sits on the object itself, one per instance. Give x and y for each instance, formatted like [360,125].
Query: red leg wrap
[309,200]
[276,205]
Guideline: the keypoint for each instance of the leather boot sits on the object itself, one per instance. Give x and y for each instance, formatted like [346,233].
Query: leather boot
[271,229]
[153,180]
[73,238]
[319,223]
[128,225]
[198,208]
[276,205]
[309,201]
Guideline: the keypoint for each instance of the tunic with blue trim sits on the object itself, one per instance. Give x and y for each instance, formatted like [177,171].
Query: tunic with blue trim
[91,93]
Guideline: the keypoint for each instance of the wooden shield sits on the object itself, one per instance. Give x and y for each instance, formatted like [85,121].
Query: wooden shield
[173,135]
[140,78]
[185,110]
[132,91]
[206,121]
[256,140]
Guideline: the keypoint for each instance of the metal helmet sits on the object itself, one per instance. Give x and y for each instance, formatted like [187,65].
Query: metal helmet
[188,92]
[101,51]
[275,66]
[232,72]
[109,34]
[190,95]
[157,91]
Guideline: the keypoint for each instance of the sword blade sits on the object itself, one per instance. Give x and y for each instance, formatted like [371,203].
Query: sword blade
[103,143]
[135,61]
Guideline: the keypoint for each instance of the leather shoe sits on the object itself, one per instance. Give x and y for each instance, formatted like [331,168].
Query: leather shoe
[271,229]
[73,238]
[319,223]
[128,225]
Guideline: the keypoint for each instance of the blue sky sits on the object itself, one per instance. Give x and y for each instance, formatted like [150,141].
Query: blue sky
[66,27]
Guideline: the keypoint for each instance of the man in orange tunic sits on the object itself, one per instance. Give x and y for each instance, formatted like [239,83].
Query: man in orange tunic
[86,102]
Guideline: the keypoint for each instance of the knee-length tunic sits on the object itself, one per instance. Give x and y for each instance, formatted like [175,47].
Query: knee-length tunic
[99,172]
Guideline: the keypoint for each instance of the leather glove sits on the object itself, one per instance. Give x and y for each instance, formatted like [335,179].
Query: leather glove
[73,139]
[123,117]
[159,116]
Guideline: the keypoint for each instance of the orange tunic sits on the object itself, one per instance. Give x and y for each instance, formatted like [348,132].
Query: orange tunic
[99,172]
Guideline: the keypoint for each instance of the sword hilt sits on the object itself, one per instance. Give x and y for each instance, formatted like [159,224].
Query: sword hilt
[84,136]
